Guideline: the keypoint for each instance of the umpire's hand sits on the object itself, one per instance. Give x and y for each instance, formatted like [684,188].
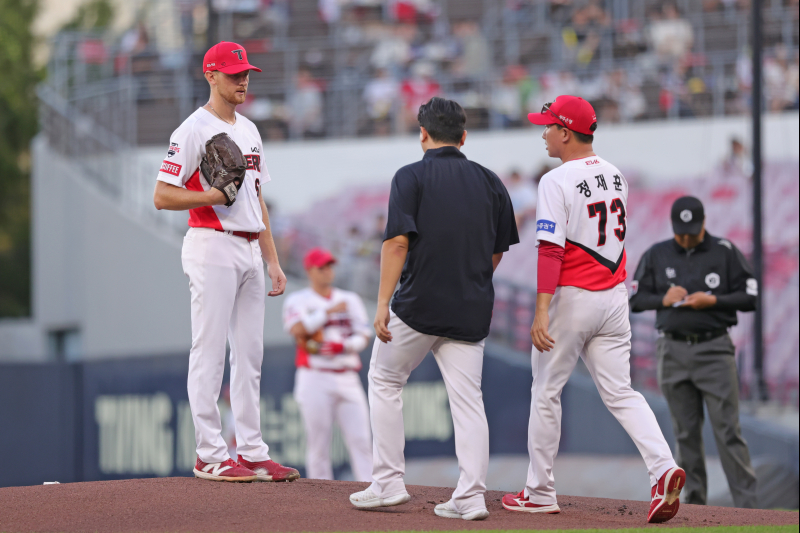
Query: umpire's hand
[381,323]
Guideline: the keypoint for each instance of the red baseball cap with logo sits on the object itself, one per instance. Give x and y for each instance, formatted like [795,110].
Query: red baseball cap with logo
[318,257]
[572,112]
[229,58]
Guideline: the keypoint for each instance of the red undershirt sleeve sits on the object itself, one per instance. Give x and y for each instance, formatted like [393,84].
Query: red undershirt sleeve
[549,268]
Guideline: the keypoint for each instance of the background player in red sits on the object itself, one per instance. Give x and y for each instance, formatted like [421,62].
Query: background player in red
[331,329]
[222,256]
[582,309]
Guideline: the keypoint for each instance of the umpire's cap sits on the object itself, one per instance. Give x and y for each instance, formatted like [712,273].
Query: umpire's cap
[687,216]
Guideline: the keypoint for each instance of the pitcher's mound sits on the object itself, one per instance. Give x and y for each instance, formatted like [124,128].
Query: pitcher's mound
[194,505]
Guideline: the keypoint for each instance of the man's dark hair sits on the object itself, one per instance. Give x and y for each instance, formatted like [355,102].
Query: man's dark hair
[444,120]
[582,137]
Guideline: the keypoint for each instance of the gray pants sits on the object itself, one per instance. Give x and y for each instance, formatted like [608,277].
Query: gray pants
[688,375]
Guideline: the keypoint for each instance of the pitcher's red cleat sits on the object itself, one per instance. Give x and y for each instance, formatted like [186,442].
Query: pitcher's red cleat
[228,470]
[270,470]
[665,496]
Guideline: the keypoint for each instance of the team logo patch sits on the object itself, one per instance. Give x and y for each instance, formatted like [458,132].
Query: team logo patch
[171,168]
[712,280]
[545,225]
[671,273]
[173,149]
[634,287]
[726,243]
[686,215]
[752,287]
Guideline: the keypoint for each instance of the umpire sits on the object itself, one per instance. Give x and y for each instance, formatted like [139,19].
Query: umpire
[697,283]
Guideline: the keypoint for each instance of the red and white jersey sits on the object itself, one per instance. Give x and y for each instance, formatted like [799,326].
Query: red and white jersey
[337,327]
[582,208]
[181,167]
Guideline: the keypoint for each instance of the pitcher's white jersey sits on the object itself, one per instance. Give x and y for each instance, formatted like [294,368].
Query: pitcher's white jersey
[337,327]
[582,207]
[181,168]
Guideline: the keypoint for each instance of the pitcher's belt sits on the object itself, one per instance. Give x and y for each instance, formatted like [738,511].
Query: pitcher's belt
[249,235]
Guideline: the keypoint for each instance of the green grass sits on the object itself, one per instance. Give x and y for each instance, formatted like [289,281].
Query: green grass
[715,529]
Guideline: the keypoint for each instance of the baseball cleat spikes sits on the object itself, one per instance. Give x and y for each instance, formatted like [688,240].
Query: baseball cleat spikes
[666,496]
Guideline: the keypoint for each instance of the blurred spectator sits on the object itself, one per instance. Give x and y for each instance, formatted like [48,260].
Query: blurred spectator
[135,40]
[305,107]
[780,90]
[380,95]
[623,101]
[417,90]
[510,96]
[394,50]
[523,198]
[672,37]
[475,57]
[738,162]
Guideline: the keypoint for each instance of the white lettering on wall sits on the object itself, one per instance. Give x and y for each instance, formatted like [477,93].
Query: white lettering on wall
[134,434]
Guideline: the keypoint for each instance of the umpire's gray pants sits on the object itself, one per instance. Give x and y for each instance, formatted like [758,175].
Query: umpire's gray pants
[688,375]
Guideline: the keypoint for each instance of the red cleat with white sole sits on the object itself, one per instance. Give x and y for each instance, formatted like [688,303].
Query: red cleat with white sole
[270,470]
[228,470]
[518,502]
[665,496]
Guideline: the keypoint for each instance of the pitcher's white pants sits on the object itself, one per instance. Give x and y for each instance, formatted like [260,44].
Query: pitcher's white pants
[461,364]
[327,396]
[226,280]
[594,325]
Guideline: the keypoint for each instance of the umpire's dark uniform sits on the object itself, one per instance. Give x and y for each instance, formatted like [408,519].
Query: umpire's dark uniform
[695,353]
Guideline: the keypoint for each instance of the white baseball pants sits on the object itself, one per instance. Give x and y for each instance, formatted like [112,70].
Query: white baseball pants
[226,280]
[461,364]
[327,396]
[595,326]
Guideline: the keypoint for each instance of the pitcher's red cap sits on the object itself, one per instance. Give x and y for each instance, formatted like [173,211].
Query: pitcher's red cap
[572,112]
[230,58]
[318,257]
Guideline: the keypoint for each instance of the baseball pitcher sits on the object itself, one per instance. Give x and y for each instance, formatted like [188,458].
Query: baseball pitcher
[582,309]
[213,168]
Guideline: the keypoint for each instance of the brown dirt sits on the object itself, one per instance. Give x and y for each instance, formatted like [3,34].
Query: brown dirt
[194,505]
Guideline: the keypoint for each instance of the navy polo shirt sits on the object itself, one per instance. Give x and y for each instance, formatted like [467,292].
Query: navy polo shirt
[456,214]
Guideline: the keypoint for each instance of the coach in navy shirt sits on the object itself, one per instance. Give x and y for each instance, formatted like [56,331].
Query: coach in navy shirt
[450,221]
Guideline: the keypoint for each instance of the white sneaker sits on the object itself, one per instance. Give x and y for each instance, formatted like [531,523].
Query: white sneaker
[367,498]
[446,510]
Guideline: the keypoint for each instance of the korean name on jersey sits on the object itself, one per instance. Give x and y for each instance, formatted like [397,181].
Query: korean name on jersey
[181,167]
[582,207]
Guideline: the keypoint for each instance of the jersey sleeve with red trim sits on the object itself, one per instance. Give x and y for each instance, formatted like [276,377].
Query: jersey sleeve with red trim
[293,310]
[552,213]
[182,157]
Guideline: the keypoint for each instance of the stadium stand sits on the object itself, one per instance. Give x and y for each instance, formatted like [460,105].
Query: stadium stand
[359,67]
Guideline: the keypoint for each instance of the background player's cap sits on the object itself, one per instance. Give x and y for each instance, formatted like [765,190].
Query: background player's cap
[230,58]
[318,257]
[572,112]
[687,216]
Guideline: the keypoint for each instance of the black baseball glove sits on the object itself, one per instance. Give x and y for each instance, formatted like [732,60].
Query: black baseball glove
[224,166]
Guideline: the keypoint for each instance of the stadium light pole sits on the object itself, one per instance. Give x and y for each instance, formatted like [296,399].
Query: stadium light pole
[758,245]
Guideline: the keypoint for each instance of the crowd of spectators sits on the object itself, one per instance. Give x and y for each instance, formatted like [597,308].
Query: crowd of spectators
[629,68]
[649,60]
